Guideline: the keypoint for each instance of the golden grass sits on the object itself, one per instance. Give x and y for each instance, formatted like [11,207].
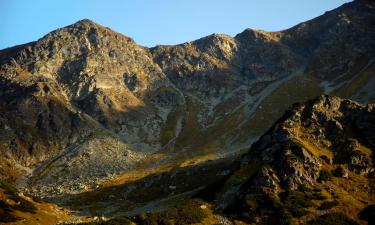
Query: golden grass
[197,159]
[361,78]
[191,127]
[298,89]
[365,150]
[349,192]
[139,172]
[46,214]
[314,149]
[243,174]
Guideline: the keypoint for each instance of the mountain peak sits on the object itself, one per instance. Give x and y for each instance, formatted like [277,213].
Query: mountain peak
[87,23]
[81,33]
[254,34]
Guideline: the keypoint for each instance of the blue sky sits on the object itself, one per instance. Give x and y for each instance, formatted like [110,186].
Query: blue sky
[151,22]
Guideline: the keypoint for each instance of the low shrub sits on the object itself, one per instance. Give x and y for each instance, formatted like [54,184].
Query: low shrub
[304,189]
[24,205]
[271,209]
[324,175]
[7,217]
[9,189]
[188,213]
[328,205]
[318,196]
[333,219]
[5,213]
[282,216]
[296,199]
[275,212]
[298,212]
[4,206]
[368,214]
[251,202]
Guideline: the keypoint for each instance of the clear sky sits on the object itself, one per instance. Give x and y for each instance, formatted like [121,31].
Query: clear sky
[151,22]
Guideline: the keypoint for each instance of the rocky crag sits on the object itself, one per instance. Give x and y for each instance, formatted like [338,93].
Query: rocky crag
[316,159]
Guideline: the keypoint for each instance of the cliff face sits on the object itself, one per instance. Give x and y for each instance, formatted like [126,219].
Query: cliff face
[85,98]
[329,130]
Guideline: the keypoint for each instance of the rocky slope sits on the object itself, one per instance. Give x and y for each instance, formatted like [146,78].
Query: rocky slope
[315,165]
[316,159]
[70,99]
[84,103]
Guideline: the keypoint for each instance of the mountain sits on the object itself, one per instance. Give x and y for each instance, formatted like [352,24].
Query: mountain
[85,109]
[315,165]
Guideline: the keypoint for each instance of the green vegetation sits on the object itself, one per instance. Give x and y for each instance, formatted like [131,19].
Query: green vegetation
[266,208]
[333,219]
[328,205]
[324,175]
[5,212]
[246,172]
[8,188]
[191,128]
[191,211]
[188,213]
[297,201]
[285,208]
[168,131]
[361,75]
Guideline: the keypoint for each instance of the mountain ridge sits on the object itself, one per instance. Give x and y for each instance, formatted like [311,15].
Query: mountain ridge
[84,104]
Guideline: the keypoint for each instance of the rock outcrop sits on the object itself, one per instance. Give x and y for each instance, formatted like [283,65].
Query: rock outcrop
[328,136]
[327,130]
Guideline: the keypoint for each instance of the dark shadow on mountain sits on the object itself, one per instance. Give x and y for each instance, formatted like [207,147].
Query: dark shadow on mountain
[124,199]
